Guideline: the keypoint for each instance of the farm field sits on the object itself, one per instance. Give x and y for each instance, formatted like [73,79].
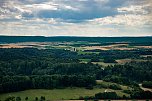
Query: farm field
[80,46]
[104,64]
[57,94]
[123,61]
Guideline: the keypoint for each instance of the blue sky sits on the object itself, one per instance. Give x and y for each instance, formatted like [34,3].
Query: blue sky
[76,17]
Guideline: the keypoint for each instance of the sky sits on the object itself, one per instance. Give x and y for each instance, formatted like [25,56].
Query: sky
[97,18]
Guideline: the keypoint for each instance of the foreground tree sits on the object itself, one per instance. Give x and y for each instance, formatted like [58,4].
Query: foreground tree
[26,98]
[36,99]
[18,98]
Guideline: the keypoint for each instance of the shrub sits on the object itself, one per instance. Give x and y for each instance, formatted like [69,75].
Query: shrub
[147,84]
[106,95]
[115,87]
[109,60]
[141,95]
[18,98]
[127,91]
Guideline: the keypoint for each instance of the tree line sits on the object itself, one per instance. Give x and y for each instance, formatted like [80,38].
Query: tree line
[19,83]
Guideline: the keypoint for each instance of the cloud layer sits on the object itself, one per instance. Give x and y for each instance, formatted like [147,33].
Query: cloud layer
[76,17]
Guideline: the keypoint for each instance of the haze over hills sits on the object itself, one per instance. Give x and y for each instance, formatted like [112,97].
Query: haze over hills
[14,39]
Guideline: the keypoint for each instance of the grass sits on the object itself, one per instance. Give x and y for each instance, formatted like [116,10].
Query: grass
[83,52]
[110,83]
[107,84]
[61,47]
[103,64]
[85,60]
[99,63]
[56,94]
[123,61]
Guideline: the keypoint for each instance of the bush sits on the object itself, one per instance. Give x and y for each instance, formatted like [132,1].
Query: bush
[81,98]
[147,84]
[88,97]
[116,79]
[36,99]
[95,60]
[106,95]
[109,60]
[127,91]
[115,87]
[26,98]
[18,98]
[141,95]
[10,99]
[42,98]
[102,86]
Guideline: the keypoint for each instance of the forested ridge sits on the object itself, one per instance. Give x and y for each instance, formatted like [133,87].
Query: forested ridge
[15,39]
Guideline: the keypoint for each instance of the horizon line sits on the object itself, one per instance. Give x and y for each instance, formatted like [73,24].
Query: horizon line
[68,36]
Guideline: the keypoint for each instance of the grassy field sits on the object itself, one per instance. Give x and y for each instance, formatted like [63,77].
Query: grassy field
[123,61]
[104,64]
[56,94]
[85,60]
[99,63]
[111,83]
[83,52]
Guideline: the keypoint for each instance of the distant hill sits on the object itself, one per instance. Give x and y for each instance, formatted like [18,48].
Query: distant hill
[14,39]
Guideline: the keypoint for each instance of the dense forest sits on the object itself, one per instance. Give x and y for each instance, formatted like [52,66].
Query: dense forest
[31,68]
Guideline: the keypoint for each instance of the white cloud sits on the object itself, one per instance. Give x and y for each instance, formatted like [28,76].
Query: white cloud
[15,9]
[135,9]
[20,17]
[128,20]
[135,14]
[102,1]
[65,29]
[43,6]
[70,7]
